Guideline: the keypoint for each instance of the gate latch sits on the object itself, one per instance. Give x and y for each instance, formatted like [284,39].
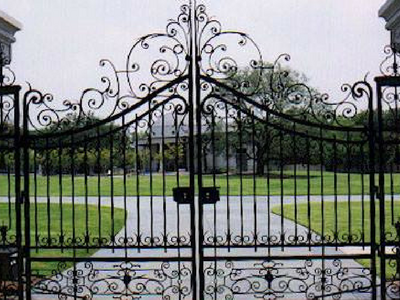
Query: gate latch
[183,195]
[209,195]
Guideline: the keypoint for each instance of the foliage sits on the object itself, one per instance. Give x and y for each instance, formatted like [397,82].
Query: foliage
[263,135]
[96,150]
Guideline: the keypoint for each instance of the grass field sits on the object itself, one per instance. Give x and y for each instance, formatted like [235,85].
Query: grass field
[343,223]
[45,268]
[245,185]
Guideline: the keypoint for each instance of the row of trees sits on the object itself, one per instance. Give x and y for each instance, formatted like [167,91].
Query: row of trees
[98,156]
[108,147]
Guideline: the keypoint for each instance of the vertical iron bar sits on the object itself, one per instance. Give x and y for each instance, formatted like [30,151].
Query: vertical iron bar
[25,144]
[197,96]
[362,171]
[165,237]
[348,148]
[35,180]
[268,184]
[150,144]
[323,238]
[10,213]
[295,183]
[112,236]
[17,168]
[321,153]
[60,191]
[176,145]
[309,234]
[195,219]
[391,194]
[381,192]
[178,218]
[99,170]
[240,129]
[74,244]
[281,164]
[214,181]
[255,208]
[85,170]
[335,191]
[371,169]
[124,163]
[228,210]
[138,165]
[48,193]
[215,203]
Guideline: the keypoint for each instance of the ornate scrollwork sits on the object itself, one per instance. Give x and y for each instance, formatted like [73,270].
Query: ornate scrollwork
[274,280]
[280,93]
[390,95]
[217,51]
[171,51]
[7,236]
[7,76]
[131,241]
[7,106]
[393,283]
[170,55]
[7,103]
[152,81]
[125,280]
[389,66]
[262,239]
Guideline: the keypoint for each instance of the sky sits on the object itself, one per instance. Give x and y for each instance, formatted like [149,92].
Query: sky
[59,49]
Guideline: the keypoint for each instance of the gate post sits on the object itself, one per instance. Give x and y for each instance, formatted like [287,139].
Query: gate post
[13,91]
[194,218]
[18,199]
[26,197]
[380,82]
[372,192]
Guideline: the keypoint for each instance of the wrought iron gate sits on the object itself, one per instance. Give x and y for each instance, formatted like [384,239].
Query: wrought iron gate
[216,176]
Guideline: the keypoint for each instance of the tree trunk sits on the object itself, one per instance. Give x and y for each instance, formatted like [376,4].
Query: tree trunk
[260,163]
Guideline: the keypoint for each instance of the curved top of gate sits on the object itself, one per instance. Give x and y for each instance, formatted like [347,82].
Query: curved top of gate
[224,59]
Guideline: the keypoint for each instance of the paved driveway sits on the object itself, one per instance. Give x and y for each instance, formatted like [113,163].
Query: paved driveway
[293,279]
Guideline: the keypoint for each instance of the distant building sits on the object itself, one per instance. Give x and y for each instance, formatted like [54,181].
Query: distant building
[164,134]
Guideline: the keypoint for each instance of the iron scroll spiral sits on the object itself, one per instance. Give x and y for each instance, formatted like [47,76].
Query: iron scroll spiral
[224,56]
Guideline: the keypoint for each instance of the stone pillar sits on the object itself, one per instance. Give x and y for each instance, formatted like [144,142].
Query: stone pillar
[390,11]
[8,27]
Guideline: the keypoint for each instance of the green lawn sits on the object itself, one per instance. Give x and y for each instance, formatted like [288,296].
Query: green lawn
[236,185]
[356,209]
[45,268]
